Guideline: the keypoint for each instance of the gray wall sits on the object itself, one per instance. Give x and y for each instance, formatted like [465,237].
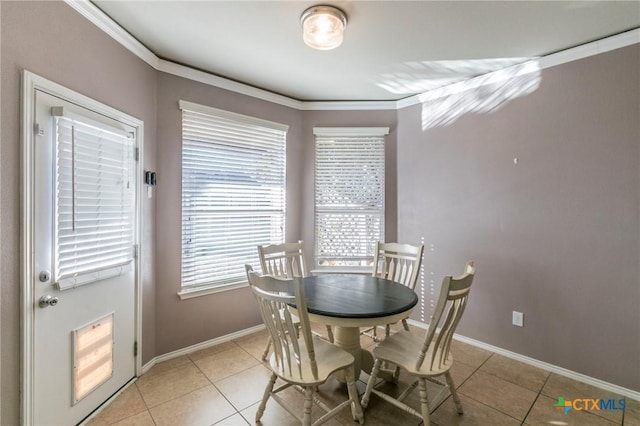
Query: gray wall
[556,235]
[53,41]
[181,323]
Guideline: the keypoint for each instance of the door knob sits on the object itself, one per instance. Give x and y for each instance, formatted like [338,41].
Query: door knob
[48,300]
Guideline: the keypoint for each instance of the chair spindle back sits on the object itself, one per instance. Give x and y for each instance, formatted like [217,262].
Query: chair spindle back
[283,260]
[453,298]
[398,262]
[274,297]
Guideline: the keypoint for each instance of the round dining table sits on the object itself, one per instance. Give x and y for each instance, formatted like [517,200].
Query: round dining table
[348,301]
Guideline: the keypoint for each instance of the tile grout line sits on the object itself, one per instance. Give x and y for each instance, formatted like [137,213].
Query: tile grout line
[237,411]
[480,402]
[463,382]
[214,385]
[145,404]
[535,400]
[143,401]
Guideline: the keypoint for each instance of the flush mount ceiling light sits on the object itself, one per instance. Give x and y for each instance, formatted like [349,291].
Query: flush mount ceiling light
[323,26]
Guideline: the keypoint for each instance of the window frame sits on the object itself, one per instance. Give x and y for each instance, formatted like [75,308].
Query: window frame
[77,132]
[277,146]
[351,133]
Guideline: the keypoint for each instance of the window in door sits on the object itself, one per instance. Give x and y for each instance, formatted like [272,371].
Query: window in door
[95,202]
[349,195]
[233,194]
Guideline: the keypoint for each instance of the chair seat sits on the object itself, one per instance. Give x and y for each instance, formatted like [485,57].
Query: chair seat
[299,358]
[431,351]
[401,349]
[330,359]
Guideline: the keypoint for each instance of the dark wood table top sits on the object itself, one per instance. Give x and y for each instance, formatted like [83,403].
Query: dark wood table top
[356,296]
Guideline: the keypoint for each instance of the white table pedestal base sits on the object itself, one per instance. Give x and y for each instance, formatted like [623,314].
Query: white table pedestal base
[348,338]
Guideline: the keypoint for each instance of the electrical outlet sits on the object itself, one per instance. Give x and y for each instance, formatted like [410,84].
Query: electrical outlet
[517,319]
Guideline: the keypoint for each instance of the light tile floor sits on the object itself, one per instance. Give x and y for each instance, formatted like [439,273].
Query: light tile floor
[223,385]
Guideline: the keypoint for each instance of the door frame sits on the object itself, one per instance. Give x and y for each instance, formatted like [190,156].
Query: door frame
[30,83]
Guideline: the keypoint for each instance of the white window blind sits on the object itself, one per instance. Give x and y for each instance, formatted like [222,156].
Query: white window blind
[95,200]
[349,195]
[233,193]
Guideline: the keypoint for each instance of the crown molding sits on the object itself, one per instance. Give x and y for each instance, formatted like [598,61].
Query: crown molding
[245,89]
[109,26]
[224,83]
[115,31]
[348,105]
[591,49]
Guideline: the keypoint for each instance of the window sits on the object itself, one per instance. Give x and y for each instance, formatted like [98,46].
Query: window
[349,195]
[95,202]
[233,194]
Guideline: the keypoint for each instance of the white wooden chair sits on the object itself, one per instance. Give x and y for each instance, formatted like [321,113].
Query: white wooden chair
[305,361]
[285,261]
[400,263]
[429,356]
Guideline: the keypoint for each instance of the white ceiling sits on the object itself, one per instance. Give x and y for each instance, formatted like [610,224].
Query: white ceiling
[392,49]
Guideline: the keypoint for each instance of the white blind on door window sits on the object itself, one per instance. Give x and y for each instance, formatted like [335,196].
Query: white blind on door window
[95,201]
[349,198]
[233,193]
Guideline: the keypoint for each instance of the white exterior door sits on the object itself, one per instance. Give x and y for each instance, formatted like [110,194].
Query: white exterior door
[84,260]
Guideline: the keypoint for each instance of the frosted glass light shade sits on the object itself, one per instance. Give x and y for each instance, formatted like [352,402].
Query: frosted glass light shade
[323,27]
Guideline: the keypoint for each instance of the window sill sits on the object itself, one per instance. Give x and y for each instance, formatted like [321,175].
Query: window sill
[204,291]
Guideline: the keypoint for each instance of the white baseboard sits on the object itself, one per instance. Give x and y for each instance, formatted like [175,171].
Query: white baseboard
[199,346]
[631,394]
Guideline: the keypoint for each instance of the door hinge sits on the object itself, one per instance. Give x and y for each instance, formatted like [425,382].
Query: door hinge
[136,153]
[135,348]
[135,251]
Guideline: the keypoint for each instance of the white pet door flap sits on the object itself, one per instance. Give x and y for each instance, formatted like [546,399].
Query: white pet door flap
[92,356]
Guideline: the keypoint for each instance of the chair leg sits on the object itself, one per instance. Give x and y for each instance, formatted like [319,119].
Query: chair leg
[424,401]
[454,393]
[265,397]
[405,324]
[396,375]
[266,349]
[370,383]
[387,330]
[329,334]
[356,408]
[308,400]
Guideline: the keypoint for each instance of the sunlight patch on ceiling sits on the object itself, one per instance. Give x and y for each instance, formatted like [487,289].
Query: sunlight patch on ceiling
[410,78]
[486,93]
